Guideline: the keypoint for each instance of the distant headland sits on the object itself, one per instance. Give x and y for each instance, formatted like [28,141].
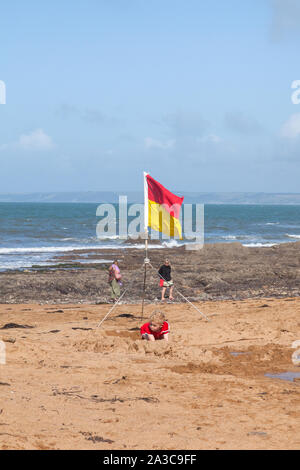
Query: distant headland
[137,196]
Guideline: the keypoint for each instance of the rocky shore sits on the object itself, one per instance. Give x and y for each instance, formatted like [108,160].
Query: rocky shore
[216,272]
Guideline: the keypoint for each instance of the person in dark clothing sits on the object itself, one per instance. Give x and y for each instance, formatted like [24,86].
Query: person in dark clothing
[166,280]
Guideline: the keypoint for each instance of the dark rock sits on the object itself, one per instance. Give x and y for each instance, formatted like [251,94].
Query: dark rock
[14,325]
[218,271]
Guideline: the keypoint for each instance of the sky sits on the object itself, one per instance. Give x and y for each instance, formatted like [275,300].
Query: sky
[196,92]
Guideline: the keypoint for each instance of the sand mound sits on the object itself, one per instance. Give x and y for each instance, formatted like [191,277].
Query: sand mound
[214,385]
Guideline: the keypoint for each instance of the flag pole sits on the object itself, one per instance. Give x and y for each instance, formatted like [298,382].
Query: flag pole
[146,209]
[146,260]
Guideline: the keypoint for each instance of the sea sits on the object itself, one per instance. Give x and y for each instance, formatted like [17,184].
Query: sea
[32,234]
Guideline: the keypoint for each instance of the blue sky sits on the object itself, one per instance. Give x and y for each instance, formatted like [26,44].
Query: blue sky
[196,92]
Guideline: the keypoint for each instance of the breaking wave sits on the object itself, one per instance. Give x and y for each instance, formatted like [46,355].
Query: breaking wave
[292,236]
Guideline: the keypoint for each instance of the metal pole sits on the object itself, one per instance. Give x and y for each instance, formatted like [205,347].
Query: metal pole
[192,304]
[112,307]
[146,261]
[184,297]
[146,221]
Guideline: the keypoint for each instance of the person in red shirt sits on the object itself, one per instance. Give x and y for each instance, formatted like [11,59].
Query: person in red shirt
[156,328]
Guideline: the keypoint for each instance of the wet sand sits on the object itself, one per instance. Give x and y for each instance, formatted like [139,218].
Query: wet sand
[67,384]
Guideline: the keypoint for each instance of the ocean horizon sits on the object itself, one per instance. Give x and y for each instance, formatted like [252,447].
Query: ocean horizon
[138,197]
[32,233]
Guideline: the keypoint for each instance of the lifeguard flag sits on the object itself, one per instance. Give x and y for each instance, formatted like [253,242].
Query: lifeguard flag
[163,208]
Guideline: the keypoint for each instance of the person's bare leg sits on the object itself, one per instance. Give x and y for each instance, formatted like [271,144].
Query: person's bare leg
[171,293]
[163,293]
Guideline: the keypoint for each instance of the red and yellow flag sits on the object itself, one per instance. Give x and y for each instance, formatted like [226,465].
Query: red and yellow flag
[163,209]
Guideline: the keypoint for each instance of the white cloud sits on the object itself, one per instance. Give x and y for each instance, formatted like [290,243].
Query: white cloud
[291,128]
[152,143]
[36,140]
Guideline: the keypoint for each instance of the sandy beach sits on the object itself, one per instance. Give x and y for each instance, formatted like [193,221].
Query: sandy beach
[67,384]
[149,134]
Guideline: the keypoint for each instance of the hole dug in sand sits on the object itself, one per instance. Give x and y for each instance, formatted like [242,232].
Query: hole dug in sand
[123,334]
[107,342]
[255,361]
[116,341]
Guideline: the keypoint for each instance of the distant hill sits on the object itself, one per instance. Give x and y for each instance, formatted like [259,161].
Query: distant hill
[243,198]
[135,196]
[85,196]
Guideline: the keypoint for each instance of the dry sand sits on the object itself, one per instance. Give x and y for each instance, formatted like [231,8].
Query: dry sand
[68,385]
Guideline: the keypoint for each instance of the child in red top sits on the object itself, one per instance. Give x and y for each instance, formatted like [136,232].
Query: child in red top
[156,328]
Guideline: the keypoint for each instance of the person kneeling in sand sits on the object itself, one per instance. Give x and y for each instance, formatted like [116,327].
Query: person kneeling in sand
[156,328]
